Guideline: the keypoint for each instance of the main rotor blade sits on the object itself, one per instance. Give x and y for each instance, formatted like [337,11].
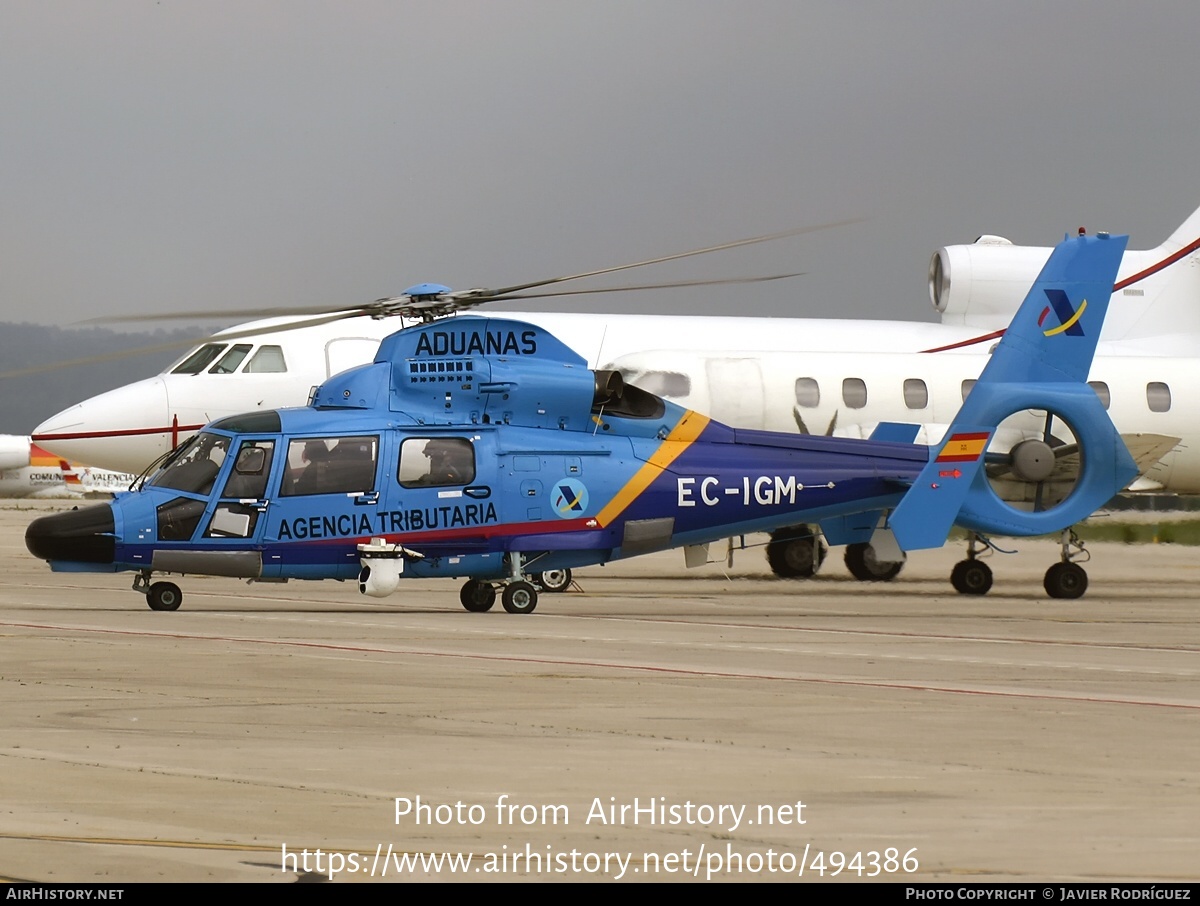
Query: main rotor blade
[633,288]
[782,234]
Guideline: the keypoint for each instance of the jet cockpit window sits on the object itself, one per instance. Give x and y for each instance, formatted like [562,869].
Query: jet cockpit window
[330,465]
[808,392]
[196,465]
[427,462]
[1158,396]
[229,362]
[268,360]
[916,394]
[199,360]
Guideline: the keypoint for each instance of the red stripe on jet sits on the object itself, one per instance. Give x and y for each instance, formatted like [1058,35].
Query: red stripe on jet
[1127,282]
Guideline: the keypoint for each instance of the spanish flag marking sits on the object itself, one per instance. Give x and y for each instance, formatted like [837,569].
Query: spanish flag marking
[963,447]
[690,427]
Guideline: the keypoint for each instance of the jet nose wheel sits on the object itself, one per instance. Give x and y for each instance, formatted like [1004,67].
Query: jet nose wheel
[164,596]
[519,597]
[795,552]
[866,566]
[1066,580]
[554,580]
[970,577]
[477,596]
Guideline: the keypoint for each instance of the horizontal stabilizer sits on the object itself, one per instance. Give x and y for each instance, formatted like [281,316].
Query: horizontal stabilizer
[895,432]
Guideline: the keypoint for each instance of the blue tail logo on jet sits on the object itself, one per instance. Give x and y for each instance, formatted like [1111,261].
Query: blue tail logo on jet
[1068,317]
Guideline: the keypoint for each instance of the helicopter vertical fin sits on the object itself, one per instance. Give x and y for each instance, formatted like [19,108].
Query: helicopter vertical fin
[1041,363]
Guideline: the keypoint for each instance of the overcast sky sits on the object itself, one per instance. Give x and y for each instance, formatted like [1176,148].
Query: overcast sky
[191,156]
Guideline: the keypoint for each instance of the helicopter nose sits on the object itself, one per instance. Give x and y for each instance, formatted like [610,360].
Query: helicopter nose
[85,535]
[124,429]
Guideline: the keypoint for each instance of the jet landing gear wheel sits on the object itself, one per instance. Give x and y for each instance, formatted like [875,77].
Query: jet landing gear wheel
[971,577]
[555,580]
[519,597]
[1066,580]
[866,567]
[164,596]
[795,552]
[477,596]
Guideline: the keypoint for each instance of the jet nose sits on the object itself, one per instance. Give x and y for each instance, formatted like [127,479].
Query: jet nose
[85,535]
[123,430]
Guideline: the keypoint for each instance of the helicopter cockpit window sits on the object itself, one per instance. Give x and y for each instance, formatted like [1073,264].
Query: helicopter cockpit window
[196,465]
[199,360]
[250,470]
[330,465]
[229,362]
[268,360]
[427,462]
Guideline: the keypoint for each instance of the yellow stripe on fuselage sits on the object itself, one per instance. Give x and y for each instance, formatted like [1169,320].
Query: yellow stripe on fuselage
[684,434]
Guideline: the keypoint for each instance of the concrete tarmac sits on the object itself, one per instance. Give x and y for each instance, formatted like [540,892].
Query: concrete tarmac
[654,724]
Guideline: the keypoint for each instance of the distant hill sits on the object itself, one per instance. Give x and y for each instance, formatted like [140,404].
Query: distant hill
[28,400]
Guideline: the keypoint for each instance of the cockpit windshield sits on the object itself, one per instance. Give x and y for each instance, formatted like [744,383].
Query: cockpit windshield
[195,467]
[199,360]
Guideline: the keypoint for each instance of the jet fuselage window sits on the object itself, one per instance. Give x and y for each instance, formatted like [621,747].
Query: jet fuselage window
[916,394]
[268,360]
[1101,389]
[671,384]
[1158,396]
[229,362]
[854,392]
[428,462]
[966,388]
[808,393]
[199,360]
[330,465]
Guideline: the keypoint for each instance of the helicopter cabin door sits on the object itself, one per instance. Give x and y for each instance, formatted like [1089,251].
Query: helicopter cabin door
[444,491]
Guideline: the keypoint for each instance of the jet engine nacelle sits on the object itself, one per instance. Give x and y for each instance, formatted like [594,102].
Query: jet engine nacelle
[982,284]
[14,452]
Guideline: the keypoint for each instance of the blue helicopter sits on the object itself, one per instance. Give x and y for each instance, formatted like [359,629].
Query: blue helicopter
[485,449]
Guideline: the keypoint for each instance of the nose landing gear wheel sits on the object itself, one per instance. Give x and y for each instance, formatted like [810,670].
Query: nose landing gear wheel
[164,596]
[477,596]
[555,580]
[519,597]
[1066,580]
[970,577]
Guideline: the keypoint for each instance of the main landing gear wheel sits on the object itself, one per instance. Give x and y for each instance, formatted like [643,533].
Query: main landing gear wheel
[164,596]
[519,597]
[477,596]
[971,577]
[795,552]
[555,580]
[866,567]
[1066,580]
